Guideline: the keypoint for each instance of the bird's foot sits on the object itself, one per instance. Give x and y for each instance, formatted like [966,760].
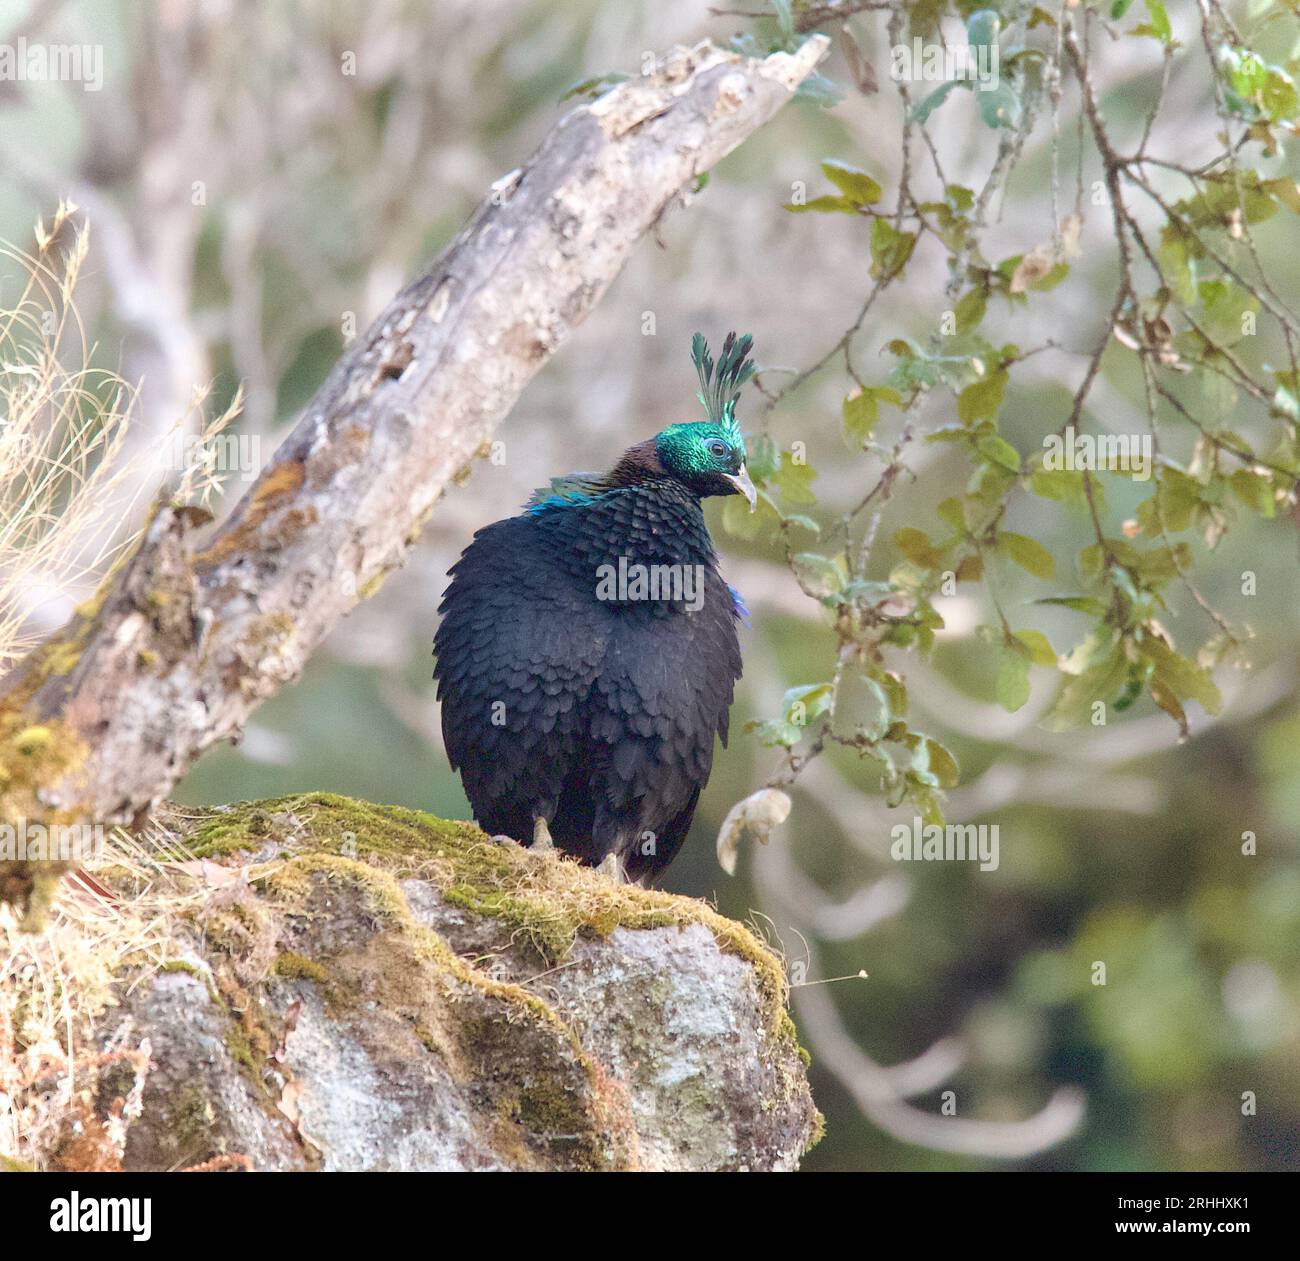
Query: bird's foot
[611,868]
[542,842]
[502,839]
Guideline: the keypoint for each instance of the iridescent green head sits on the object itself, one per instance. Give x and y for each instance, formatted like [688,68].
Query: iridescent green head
[708,456]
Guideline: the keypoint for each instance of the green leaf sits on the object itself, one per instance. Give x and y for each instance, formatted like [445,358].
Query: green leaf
[1177,264]
[804,523]
[776,732]
[1097,647]
[1012,683]
[1284,190]
[1278,97]
[1170,704]
[961,197]
[1028,553]
[1158,565]
[923,109]
[738,521]
[814,697]
[1079,603]
[1182,676]
[1102,682]
[1000,452]
[896,691]
[1245,70]
[982,28]
[854,183]
[1286,399]
[1160,21]
[794,481]
[884,717]
[1000,107]
[969,311]
[1061,484]
[1158,25]
[927,805]
[1038,646]
[1055,274]
[1173,502]
[918,772]
[818,574]
[916,546]
[862,410]
[1224,303]
[932,764]
[1223,199]
[817,89]
[981,399]
[823,206]
[942,763]
[951,511]
[763,457]
[1255,490]
[890,248]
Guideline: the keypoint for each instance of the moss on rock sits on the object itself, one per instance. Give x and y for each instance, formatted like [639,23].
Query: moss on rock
[548,900]
[386,989]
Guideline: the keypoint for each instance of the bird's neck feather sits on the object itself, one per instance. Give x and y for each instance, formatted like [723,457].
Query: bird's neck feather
[652,520]
[638,465]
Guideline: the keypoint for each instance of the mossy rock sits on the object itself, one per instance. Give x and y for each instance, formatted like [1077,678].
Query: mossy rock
[382,989]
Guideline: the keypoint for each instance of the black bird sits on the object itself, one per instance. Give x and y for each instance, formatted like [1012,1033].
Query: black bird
[588,654]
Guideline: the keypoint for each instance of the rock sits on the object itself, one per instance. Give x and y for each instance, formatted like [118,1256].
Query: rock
[368,987]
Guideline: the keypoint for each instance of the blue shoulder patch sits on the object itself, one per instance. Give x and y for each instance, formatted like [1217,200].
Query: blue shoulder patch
[737,603]
[535,506]
[570,491]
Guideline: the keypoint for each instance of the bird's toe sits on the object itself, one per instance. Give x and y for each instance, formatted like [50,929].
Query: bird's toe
[542,842]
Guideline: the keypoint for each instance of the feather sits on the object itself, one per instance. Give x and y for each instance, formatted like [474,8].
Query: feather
[571,488]
[719,391]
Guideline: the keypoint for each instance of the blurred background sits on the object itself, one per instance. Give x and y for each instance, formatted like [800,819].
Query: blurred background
[261,178]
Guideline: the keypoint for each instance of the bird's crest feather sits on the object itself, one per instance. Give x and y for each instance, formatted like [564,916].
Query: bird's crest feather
[720,384]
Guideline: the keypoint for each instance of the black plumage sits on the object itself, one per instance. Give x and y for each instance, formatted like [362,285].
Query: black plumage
[588,650]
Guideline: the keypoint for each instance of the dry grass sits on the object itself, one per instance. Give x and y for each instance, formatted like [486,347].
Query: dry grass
[66,484]
[117,917]
[69,509]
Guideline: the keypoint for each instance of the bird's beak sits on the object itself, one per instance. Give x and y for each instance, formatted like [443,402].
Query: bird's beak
[743,486]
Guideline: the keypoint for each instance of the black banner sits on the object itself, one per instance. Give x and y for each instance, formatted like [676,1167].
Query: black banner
[145,1210]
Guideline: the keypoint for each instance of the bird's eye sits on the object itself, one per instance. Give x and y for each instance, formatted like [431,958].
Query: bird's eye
[718,448]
